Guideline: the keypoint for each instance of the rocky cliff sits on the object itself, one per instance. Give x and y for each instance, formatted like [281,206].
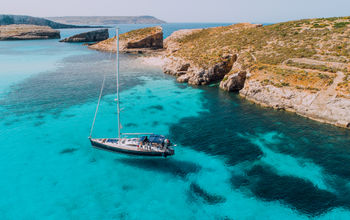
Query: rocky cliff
[299,66]
[199,63]
[27,32]
[136,41]
[91,36]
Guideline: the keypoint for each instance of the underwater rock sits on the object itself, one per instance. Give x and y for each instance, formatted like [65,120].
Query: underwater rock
[68,150]
[209,198]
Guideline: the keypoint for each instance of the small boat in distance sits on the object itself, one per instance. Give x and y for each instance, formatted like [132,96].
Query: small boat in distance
[143,144]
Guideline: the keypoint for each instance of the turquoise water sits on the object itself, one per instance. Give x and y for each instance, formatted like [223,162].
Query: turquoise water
[234,160]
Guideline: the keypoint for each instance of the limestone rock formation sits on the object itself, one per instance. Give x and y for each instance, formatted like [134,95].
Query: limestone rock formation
[234,82]
[27,32]
[204,76]
[91,36]
[136,41]
[320,106]
[176,67]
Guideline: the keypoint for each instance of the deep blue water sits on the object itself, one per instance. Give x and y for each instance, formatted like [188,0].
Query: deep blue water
[234,159]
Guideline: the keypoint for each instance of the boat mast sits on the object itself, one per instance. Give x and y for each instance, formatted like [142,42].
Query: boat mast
[118,108]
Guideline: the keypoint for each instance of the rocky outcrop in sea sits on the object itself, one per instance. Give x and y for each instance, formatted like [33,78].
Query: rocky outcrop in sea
[27,32]
[91,36]
[143,40]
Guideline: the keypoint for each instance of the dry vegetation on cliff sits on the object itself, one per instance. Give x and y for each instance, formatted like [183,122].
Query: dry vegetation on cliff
[139,34]
[136,35]
[304,54]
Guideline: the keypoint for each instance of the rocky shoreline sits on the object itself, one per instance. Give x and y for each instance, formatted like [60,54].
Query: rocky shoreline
[324,105]
[316,106]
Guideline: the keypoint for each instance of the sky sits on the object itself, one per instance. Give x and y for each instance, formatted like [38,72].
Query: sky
[258,11]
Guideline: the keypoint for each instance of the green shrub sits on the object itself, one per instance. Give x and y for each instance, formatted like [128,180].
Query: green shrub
[323,76]
[317,25]
[341,24]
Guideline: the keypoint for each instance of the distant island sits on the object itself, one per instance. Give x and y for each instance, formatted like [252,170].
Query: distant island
[24,19]
[27,32]
[106,20]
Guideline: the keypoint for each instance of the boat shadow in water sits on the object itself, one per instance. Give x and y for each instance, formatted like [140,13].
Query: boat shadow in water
[170,166]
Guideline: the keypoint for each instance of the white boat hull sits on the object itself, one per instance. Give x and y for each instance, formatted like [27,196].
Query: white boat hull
[131,150]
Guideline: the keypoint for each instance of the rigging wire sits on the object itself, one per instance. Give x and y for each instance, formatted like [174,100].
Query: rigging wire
[99,99]
[98,104]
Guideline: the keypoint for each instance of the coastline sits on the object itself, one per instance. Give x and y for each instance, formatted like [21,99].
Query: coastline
[292,110]
[161,61]
[308,85]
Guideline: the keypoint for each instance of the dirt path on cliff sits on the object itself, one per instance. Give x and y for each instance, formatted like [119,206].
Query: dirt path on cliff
[328,94]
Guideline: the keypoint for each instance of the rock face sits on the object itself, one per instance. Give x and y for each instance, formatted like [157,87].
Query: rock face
[188,71]
[194,75]
[27,32]
[319,106]
[202,76]
[91,36]
[234,82]
[137,41]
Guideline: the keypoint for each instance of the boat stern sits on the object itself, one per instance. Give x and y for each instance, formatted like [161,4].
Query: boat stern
[169,152]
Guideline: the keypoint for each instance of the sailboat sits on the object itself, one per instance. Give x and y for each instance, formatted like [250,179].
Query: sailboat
[143,144]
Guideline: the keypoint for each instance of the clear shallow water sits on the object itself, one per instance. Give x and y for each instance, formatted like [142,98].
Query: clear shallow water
[235,160]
